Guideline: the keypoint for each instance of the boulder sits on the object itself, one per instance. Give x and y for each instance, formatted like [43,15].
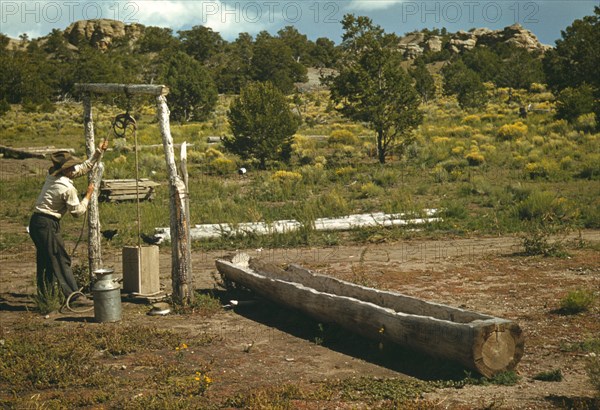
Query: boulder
[101,33]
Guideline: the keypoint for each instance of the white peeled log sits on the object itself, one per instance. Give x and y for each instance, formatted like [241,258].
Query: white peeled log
[213,231]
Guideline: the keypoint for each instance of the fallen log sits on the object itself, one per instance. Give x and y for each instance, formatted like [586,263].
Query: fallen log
[484,343]
[17,153]
[208,231]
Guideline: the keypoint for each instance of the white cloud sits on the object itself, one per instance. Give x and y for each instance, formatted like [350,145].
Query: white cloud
[368,5]
[38,18]
[228,19]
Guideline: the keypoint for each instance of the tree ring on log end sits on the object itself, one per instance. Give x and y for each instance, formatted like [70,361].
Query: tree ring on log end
[498,350]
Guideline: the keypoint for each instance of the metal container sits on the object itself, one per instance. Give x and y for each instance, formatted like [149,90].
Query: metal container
[107,296]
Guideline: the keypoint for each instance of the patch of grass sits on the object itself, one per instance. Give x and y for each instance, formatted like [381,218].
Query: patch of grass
[276,397]
[576,301]
[371,390]
[203,304]
[508,378]
[588,345]
[549,376]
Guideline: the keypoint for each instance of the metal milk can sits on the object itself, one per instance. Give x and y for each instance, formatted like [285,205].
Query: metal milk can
[107,296]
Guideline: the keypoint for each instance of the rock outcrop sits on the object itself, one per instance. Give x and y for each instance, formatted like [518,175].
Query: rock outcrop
[414,44]
[101,33]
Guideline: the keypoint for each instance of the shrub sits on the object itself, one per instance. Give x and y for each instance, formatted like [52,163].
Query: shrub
[590,168]
[4,107]
[549,376]
[577,301]
[222,166]
[287,177]
[345,172]
[509,132]
[475,158]
[586,122]
[574,102]
[544,214]
[544,207]
[333,203]
[386,177]
[440,140]
[342,137]
[537,88]
[472,119]
[370,190]
[546,168]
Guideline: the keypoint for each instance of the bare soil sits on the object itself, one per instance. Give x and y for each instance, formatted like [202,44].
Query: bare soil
[262,345]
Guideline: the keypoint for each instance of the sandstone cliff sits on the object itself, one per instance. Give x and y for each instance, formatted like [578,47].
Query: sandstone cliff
[415,44]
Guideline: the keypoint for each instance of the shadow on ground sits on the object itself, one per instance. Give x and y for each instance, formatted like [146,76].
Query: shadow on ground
[16,302]
[334,337]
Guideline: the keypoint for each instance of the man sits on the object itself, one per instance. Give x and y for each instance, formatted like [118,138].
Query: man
[58,197]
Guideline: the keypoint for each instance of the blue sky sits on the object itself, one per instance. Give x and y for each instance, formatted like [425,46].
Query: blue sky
[315,18]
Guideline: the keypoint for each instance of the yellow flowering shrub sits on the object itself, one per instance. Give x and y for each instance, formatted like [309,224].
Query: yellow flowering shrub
[475,158]
[513,131]
[345,172]
[343,137]
[222,165]
[471,119]
[440,140]
[287,176]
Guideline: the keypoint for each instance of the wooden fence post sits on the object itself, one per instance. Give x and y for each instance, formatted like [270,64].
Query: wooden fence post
[181,274]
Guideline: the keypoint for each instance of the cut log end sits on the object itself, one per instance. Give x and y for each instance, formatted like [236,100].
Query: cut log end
[501,349]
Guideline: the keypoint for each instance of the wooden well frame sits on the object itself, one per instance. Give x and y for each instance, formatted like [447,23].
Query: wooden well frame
[181,261]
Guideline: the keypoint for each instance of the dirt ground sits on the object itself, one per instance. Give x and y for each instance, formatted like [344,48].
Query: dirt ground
[486,275]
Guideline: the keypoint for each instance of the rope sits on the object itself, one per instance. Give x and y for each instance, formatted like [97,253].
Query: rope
[69,308]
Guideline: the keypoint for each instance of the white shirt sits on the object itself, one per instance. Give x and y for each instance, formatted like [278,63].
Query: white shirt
[59,195]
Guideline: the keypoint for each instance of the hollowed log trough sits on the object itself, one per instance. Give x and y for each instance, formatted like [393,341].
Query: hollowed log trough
[486,344]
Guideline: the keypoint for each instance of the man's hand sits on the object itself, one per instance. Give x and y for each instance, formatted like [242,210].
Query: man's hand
[90,191]
[103,145]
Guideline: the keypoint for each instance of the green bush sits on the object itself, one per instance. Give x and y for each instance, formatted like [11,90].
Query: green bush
[549,376]
[370,190]
[574,102]
[4,107]
[586,122]
[222,166]
[577,301]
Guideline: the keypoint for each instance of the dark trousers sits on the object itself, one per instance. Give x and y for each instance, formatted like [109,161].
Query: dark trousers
[53,261]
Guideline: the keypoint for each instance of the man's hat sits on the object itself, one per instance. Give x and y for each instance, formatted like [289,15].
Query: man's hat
[62,160]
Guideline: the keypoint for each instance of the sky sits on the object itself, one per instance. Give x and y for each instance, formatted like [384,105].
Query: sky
[315,18]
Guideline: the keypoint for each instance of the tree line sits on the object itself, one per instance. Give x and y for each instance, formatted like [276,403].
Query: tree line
[370,84]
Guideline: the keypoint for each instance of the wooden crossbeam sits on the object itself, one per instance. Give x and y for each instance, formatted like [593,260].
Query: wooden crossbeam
[129,89]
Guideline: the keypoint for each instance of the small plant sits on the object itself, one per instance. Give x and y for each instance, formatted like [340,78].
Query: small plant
[48,299]
[577,301]
[509,378]
[549,376]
